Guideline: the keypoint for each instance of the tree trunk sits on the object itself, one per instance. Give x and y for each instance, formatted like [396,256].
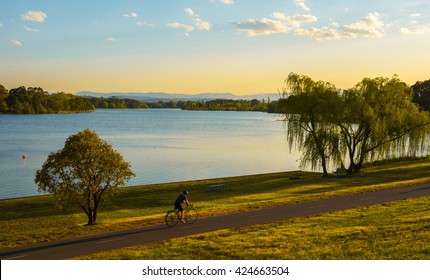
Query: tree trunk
[90,217]
[363,154]
[324,164]
[91,214]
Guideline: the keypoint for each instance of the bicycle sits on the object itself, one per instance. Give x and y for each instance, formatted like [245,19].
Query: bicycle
[173,216]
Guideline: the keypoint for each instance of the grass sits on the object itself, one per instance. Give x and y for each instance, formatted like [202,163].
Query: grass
[396,230]
[30,220]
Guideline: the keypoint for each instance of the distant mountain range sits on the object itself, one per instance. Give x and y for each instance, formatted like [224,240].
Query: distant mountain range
[162,96]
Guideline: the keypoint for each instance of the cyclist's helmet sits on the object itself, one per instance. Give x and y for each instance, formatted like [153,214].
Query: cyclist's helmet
[186,191]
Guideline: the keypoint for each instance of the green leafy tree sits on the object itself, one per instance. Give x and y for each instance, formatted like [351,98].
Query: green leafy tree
[307,107]
[84,173]
[421,94]
[3,95]
[374,120]
[379,120]
[3,90]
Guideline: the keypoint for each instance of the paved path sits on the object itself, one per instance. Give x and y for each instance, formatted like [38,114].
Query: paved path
[74,247]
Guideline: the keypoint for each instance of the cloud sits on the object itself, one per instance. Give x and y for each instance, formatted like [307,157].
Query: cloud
[111,39]
[187,28]
[143,23]
[415,15]
[16,43]
[418,30]
[189,11]
[34,16]
[319,34]
[227,2]
[295,20]
[263,26]
[180,25]
[280,24]
[199,24]
[132,14]
[301,4]
[371,26]
[30,29]
[1,24]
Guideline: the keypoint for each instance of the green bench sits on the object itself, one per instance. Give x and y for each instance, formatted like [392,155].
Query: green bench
[216,187]
[341,172]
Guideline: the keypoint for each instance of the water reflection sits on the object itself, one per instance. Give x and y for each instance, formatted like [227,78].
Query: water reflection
[161,145]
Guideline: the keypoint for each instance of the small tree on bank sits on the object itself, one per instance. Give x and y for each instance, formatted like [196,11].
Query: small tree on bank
[84,173]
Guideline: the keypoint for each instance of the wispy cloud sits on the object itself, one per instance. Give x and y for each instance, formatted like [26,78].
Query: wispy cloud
[111,39]
[301,4]
[371,26]
[186,28]
[417,30]
[189,11]
[295,20]
[143,23]
[199,24]
[227,2]
[264,26]
[415,15]
[34,16]
[279,24]
[132,14]
[1,24]
[319,34]
[29,29]
[16,43]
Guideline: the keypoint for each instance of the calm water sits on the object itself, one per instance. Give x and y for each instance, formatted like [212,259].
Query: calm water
[161,145]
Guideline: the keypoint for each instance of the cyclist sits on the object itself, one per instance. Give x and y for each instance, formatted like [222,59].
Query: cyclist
[182,198]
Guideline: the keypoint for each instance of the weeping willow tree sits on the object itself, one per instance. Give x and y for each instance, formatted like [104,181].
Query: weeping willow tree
[307,107]
[374,120]
[380,121]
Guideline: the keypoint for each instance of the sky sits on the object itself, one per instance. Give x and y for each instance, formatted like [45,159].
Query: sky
[217,46]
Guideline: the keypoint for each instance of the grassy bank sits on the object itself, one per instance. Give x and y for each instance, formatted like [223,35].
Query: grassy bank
[33,219]
[397,230]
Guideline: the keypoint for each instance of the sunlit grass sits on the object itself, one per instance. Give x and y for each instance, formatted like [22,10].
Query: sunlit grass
[32,220]
[396,230]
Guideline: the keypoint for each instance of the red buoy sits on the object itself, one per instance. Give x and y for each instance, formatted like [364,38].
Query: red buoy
[24,156]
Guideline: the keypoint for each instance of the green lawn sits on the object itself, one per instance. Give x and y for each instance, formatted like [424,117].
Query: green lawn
[34,219]
[396,230]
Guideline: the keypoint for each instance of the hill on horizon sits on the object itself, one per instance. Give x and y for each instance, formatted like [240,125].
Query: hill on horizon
[163,96]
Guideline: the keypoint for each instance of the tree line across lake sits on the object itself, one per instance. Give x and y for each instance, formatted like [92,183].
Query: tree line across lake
[34,100]
[209,105]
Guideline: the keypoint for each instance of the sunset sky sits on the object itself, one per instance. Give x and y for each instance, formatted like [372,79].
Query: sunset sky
[199,46]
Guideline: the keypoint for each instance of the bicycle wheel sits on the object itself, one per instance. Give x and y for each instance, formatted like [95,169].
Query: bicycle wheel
[171,219]
[191,216]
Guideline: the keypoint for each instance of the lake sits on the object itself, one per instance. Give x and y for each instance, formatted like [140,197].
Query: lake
[161,145]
